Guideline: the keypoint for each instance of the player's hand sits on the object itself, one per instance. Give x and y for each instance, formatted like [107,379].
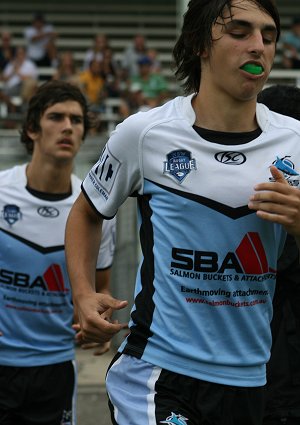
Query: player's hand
[94,311]
[278,202]
[99,347]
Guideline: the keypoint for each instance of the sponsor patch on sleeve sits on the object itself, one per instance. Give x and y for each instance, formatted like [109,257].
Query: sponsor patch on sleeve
[104,173]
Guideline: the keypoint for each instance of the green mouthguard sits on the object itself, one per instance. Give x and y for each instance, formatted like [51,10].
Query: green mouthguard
[253,69]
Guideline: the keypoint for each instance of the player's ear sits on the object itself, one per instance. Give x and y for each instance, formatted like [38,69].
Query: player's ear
[33,135]
[204,54]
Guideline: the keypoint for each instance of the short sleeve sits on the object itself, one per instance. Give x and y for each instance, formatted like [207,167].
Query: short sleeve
[118,173]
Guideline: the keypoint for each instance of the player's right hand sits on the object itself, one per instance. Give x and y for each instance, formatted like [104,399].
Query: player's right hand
[94,312]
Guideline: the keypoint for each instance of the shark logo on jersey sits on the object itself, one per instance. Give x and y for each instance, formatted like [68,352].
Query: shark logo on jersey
[11,214]
[179,164]
[287,167]
[174,419]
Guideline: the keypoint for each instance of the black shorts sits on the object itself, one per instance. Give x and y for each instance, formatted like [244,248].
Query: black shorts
[140,393]
[42,395]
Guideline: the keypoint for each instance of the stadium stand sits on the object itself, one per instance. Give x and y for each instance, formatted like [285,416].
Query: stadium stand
[78,22]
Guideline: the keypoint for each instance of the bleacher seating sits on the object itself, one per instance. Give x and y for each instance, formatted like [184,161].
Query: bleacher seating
[77,23]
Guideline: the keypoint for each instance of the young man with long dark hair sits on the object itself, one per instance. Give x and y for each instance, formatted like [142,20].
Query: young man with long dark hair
[216,180]
[37,369]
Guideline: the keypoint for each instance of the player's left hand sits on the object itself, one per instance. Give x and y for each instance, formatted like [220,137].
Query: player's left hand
[100,347]
[278,202]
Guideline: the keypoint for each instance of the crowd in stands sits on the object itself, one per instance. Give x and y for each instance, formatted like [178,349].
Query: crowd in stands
[291,46]
[136,81]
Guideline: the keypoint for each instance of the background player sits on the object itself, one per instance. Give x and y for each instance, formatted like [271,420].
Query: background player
[283,369]
[37,380]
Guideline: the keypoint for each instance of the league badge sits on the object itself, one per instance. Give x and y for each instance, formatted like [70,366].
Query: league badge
[179,164]
[11,214]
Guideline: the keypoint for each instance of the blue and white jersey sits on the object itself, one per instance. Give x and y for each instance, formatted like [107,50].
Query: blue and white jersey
[203,297]
[36,308]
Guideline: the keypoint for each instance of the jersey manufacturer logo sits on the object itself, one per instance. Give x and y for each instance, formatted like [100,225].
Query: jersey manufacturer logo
[11,214]
[48,212]
[231,158]
[174,419]
[287,167]
[179,164]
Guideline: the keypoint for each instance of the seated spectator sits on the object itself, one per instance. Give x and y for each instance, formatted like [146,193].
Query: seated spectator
[291,46]
[66,69]
[97,50]
[156,65]
[111,74]
[134,51]
[147,89]
[20,77]
[92,85]
[7,50]
[40,37]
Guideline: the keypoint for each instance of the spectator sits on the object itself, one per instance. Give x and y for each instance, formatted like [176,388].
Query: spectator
[156,64]
[20,77]
[66,69]
[37,379]
[97,50]
[40,37]
[7,50]
[148,89]
[92,84]
[134,51]
[111,75]
[291,46]
[283,369]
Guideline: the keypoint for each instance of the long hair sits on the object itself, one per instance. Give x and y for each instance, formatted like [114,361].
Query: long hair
[48,94]
[196,36]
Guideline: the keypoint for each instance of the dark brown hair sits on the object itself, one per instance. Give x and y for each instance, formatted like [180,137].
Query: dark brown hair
[47,95]
[196,36]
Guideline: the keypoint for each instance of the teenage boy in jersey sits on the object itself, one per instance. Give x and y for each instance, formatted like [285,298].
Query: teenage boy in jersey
[216,180]
[37,346]
[283,368]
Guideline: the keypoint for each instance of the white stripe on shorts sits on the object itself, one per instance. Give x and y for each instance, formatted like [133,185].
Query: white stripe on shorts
[130,384]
